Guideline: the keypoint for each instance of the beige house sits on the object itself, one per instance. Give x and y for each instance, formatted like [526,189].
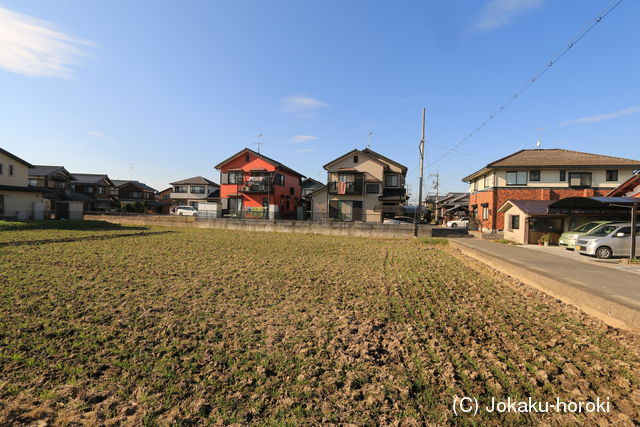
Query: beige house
[188,192]
[362,185]
[17,199]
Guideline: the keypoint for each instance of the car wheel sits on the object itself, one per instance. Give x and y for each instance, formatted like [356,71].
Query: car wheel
[604,252]
[180,213]
[195,214]
[454,225]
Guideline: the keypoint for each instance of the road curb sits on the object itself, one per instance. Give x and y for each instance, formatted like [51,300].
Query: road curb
[610,312]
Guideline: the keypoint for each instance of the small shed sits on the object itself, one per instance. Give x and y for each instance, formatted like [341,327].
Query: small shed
[525,221]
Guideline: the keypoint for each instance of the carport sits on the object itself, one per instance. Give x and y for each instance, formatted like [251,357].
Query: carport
[605,206]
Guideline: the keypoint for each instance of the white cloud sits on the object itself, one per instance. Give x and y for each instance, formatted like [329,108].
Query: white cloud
[301,104]
[303,138]
[304,150]
[498,13]
[32,47]
[599,118]
[101,136]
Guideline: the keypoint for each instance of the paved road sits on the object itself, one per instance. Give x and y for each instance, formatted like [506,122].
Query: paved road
[561,273]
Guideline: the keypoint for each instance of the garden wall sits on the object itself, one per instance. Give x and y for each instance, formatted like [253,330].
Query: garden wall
[333,228]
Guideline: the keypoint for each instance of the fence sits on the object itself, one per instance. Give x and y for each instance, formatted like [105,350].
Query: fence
[334,228]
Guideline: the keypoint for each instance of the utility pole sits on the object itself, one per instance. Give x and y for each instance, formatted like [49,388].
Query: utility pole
[436,184]
[418,211]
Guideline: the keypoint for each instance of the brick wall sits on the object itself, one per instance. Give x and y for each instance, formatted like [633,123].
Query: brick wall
[496,197]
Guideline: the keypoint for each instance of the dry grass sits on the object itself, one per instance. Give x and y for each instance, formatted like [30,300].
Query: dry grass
[225,326]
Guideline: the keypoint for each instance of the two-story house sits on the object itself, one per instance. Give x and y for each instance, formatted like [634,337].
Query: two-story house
[193,190]
[362,185]
[164,199]
[253,185]
[134,192]
[17,199]
[98,188]
[62,202]
[542,174]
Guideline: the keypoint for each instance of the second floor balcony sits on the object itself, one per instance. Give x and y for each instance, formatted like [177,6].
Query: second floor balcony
[257,184]
[354,187]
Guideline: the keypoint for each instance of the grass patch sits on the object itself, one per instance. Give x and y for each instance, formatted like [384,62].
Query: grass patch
[204,327]
[507,242]
[441,241]
[71,224]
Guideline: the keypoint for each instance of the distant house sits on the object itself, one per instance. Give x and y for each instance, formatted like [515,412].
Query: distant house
[253,185]
[62,202]
[629,188]
[362,185]
[542,174]
[98,188]
[17,199]
[452,206]
[309,185]
[164,199]
[134,192]
[193,190]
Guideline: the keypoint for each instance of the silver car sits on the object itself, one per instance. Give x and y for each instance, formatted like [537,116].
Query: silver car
[607,241]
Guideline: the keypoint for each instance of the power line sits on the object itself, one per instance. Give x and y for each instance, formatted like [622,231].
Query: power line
[533,79]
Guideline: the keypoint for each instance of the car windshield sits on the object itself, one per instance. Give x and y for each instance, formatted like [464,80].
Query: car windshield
[604,230]
[586,227]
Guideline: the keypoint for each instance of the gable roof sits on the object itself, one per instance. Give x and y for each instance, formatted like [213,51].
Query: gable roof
[91,178]
[195,180]
[310,183]
[43,170]
[554,158]
[626,187]
[260,156]
[16,158]
[528,206]
[142,186]
[373,154]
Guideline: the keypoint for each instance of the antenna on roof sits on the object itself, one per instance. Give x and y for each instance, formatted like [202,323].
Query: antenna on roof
[539,142]
[130,171]
[259,142]
[369,139]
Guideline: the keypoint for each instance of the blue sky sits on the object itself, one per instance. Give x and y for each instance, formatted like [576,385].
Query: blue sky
[173,87]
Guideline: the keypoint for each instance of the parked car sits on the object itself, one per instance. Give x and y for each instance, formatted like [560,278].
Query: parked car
[462,222]
[608,241]
[568,238]
[399,220]
[186,211]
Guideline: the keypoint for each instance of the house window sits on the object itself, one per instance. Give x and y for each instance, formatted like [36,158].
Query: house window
[291,191]
[579,179]
[563,176]
[612,175]
[165,197]
[235,177]
[484,181]
[247,158]
[534,175]
[100,190]
[373,188]
[180,189]
[235,204]
[355,159]
[89,189]
[517,178]
[485,212]
[279,179]
[10,169]
[197,189]
[391,180]
[32,182]
[135,194]
[515,222]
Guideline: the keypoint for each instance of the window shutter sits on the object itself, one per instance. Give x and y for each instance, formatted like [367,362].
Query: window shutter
[224,178]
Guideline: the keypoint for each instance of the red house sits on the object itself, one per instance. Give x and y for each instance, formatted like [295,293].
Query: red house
[253,185]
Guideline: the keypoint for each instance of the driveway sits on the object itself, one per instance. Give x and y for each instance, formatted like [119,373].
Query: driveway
[572,256]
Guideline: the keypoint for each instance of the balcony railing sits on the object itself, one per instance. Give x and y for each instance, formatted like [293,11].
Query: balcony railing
[264,186]
[348,188]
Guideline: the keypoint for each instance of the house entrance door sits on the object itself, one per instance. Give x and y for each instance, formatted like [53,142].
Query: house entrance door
[62,210]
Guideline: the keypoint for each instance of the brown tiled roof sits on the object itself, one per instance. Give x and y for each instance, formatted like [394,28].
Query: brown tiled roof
[529,206]
[195,180]
[555,158]
[559,157]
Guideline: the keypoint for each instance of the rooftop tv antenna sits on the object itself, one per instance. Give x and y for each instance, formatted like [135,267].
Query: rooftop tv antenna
[369,139]
[539,141]
[130,171]
[259,142]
